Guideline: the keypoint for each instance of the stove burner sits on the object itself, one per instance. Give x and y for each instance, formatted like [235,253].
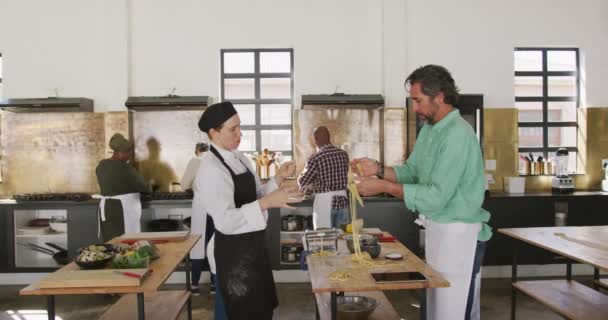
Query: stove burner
[52,197]
[167,196]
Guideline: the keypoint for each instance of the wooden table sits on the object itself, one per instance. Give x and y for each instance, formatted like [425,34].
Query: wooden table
[587,245]
[361,280]
[160,304]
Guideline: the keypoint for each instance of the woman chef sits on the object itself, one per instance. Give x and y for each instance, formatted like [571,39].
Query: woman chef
[232,195]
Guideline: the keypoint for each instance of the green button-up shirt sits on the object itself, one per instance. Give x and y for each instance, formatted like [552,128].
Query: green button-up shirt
[443,178]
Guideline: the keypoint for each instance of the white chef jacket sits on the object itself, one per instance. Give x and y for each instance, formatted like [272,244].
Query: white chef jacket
[216,196]
[187,180]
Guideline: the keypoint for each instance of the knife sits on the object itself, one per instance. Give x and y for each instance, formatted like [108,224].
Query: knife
[128,274]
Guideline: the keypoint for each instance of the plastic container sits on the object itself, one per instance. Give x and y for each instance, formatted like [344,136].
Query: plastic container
[514,184]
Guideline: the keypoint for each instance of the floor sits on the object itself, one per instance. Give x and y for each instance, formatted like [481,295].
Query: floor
[295,302]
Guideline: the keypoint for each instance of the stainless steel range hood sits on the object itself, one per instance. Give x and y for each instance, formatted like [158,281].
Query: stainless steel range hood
[341,100]
[167,103]
[48,105]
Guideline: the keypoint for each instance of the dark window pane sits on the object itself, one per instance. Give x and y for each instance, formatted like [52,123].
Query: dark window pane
[529,111]
[528,60]
[239,89]
[530,137]
[528,86]
[239,62]
[246,113]
[561,111]
[276,114]
[561,60]
[562,136]
[562,86]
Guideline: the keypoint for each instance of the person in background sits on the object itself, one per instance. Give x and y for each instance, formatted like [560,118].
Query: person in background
[120,187]
[326,175]
[192,168]
[233,196]
[443,180]
[197,254]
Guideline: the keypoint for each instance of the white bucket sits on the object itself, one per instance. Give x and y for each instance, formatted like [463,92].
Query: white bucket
[515,184]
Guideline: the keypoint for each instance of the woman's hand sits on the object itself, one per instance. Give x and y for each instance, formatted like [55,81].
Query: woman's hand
[280,198]
[364,167]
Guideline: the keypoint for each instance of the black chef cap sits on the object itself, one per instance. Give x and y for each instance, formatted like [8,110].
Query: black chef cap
[216,115]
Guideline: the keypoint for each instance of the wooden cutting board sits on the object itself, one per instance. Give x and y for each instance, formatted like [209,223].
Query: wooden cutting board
[373,231]
[168,236]
[92,278]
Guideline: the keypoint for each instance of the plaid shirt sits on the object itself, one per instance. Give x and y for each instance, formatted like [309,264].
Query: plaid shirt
[325,171]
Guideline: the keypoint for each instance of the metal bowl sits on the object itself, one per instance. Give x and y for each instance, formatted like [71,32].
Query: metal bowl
[355,307]
[364,241]
[97,264]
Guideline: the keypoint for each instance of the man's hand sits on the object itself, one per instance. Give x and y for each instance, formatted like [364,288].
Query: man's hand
[370,186]
[280,198]
[364,167]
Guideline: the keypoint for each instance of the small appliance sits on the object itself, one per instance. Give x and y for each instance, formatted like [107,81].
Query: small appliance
[562,182]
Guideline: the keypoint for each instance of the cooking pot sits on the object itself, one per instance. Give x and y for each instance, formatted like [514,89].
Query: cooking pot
[39,222]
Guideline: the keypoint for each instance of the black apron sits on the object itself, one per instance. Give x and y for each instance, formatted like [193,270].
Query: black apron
[242,264]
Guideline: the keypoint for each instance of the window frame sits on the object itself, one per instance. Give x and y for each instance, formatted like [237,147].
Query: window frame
[545,124]
[257,101]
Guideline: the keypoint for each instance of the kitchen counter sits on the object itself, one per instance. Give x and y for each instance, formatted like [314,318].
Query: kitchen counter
[533,209]
[547,194]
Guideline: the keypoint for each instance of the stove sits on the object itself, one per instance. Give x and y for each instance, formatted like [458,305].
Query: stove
[52,197]
[167,196]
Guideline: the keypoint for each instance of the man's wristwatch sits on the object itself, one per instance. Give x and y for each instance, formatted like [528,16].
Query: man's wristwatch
[380,173]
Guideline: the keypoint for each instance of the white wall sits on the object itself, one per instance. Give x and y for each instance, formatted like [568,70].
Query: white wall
[336,43]
[475,40]
[108,50]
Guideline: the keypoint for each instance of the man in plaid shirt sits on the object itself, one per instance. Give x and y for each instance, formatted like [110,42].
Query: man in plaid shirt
[326,175]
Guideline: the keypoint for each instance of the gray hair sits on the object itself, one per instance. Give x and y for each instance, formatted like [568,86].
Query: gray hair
[434,79]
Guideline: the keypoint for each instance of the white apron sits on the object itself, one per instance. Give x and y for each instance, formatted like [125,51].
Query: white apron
[321,208]
[198,225]
[131,208]
[450,250]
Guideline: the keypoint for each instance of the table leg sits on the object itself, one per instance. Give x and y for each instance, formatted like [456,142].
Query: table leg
[334,305]
[514,279]
[50,307]
[596,278]
[141,311]
[569,270]
[188,287]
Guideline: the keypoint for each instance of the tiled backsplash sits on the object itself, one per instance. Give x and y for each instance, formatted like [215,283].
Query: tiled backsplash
[501,141]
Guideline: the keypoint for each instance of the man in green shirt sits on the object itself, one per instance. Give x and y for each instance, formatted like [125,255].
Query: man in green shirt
[443,180]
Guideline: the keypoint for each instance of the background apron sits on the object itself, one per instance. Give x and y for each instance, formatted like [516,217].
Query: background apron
[321,208]
[242,263]
[131,213]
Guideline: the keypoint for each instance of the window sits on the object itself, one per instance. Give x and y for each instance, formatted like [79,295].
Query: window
[547,97]
[259,82]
